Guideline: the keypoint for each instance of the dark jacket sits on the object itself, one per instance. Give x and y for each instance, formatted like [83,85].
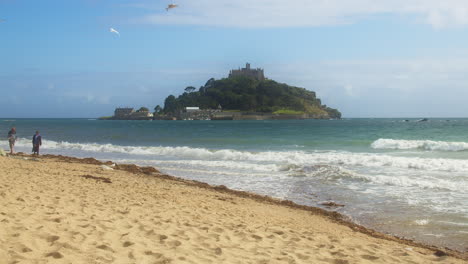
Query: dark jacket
[37,140]
[11,135]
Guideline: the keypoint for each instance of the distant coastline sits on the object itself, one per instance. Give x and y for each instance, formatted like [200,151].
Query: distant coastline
[220,115]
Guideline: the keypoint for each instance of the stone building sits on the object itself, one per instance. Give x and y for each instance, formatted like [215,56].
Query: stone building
[122,112]
[141,115]
[247,71]
[195,113]
[128,113]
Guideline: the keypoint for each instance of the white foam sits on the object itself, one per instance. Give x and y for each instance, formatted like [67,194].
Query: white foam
[384,143]
[211,172]
[285,160]
[453,223]
[406,181]
[421,222]
[213,164]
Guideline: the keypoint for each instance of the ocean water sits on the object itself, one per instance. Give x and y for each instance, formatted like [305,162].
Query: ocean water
[406,178]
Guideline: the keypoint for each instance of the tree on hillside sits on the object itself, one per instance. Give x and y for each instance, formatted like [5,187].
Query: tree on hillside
[143,109]
[210,83]
[157,109]
[170,104]
[190,89]
[248,94]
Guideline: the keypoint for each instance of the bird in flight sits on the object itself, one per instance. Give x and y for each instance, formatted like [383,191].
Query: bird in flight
[112,30]
[171,6]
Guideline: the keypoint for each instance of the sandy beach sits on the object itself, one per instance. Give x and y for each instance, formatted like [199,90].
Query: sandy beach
[67,210]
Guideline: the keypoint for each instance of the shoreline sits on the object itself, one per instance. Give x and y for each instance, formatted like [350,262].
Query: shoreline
[330,216]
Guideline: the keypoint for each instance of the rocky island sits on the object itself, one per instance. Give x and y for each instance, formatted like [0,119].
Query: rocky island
[245,95]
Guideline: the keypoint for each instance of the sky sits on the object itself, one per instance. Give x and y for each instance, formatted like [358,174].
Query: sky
[367,58]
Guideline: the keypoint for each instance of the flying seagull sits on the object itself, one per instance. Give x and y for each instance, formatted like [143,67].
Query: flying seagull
[171,6]
[114,31]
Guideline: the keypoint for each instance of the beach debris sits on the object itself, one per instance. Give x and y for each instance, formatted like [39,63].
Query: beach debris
[2,152]
[112,30]
[103,179]
[135,169]
[331,204]
[440,253]
[171,6]
[105,167]
[91,161]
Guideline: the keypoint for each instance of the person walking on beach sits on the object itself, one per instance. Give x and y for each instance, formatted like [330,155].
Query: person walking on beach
[12,139]
[37,142]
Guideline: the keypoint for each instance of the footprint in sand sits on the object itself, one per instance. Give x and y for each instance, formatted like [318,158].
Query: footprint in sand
[302,257]
[128,243]
[218,230]
[151,253]
[105,247]
[258,238]
[174,243]
[339,254]
[369,257]
[218,251]
[55,255]
[25,249]
[162,238]
[52,239]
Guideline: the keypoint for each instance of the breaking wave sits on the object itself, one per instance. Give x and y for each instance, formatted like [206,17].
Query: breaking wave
[286,160]
[327,165]
[383,143]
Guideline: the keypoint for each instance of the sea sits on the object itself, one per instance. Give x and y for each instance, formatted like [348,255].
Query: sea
[405,177]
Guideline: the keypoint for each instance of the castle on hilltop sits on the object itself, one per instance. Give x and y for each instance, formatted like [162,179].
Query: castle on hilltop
[247,71]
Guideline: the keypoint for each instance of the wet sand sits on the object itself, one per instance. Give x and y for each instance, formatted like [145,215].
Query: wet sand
[67,210]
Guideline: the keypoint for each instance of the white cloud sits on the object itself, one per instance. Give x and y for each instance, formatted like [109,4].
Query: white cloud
[304,13]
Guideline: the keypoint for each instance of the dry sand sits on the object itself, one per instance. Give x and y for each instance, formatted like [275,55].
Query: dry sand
[60,210]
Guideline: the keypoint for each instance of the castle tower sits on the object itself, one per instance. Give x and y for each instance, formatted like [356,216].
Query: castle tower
[248,72]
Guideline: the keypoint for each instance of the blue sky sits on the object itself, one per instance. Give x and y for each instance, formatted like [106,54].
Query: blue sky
[368,58]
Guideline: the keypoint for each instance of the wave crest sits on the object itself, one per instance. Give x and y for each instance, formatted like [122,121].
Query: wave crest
[283,161]
[398,144]
[332,165]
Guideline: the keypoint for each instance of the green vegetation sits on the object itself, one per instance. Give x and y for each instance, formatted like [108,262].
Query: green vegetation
[250,95]
[288,112]
[143,109]
[157,109]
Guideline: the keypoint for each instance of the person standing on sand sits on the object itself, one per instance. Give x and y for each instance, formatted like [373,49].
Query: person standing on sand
[12,139]
[37,142]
